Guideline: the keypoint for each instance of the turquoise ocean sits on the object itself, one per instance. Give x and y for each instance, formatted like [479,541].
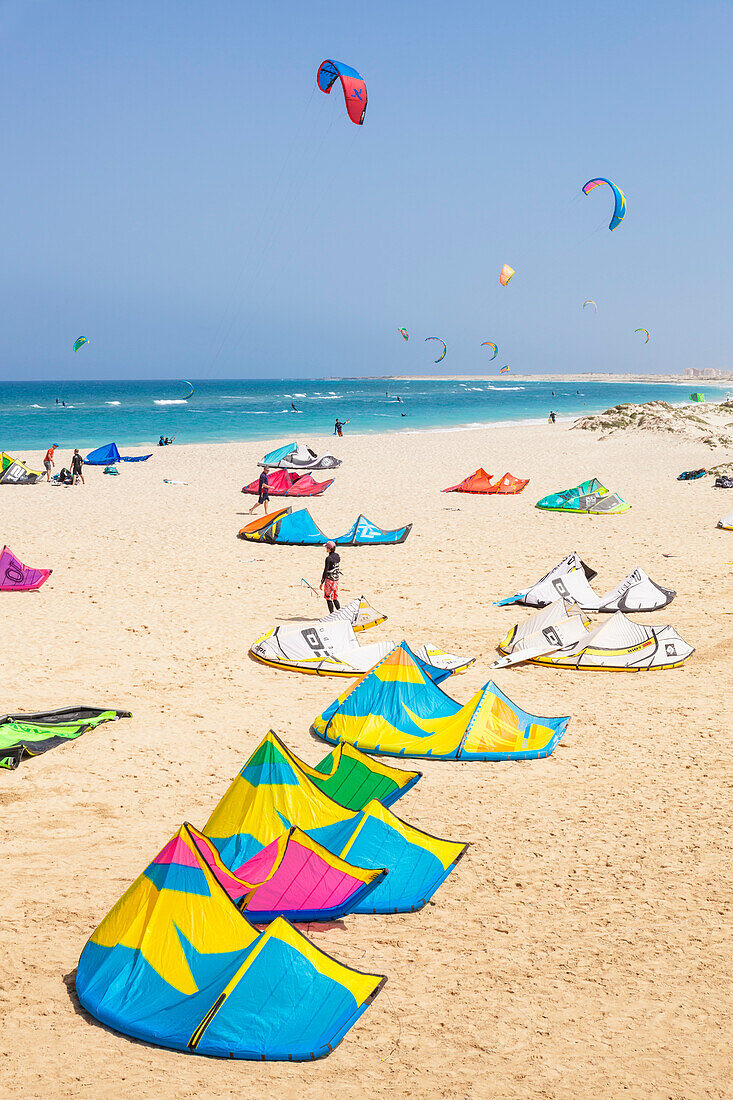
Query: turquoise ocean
[135,413]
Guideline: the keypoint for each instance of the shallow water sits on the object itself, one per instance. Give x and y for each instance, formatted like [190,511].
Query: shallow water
[137,412]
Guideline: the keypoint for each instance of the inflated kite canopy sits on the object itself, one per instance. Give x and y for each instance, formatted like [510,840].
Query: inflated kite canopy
[359,612]
[175,963]
[504,370]
[293,877]
[480,482]
[560,635]
[16,577]
[298,456]
[352,83]
[697,397]
[80,342]
[491,344]
[505,274]
[104,456]
[288,528]
[273,792]
[442,355]
[619,207]
[353,779]
[333,649]
[398,710]
[570,577]
[590,497]
[24,735]
[15,472]
[287,483]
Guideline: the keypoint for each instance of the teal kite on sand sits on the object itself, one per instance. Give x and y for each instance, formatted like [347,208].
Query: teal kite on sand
[590,497]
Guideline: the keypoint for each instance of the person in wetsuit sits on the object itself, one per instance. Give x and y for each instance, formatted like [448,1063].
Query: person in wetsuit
[330,578]
[263,490]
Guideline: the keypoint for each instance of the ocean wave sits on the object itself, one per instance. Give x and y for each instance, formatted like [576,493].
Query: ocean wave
[113,402]
[37,406]
[176,401]
[502,389]
[300,395]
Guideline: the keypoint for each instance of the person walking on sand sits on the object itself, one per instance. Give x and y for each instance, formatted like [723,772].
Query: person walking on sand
[338,428]
[77,463]
[263,490]
[330,578]
[48,461]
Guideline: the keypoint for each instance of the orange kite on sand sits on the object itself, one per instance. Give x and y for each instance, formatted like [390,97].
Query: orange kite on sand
[480,482]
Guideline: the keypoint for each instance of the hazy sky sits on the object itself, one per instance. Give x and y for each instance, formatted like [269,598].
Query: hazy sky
[173,184]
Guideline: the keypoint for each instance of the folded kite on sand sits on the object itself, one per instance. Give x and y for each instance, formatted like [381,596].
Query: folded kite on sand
[398,710]
[288,528]
[726,522]
[23,735]
[16,577]
[15,472]
[298,456]
[590,498]
[561,636]
[286,483]
[273,792]
[177,964]
[359,612]
[480,482]
[104,456]
[333,649]
[570,578]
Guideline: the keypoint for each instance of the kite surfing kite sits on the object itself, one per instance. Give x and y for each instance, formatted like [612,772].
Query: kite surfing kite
[440,342]
[620,202]
[504,370]
[491,344]
[590,302]
[355,92]
[190,388]
[404,333]
[645,330]
[79,342]
[505,274]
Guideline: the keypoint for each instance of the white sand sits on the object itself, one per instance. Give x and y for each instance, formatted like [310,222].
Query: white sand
[581,948]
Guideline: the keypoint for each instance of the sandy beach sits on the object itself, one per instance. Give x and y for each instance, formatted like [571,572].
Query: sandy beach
[582,946]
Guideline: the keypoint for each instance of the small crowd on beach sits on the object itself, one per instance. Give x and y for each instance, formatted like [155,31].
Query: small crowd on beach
[70,475]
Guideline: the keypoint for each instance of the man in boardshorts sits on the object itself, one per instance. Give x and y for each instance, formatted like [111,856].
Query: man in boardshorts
[263,490]
[330,578]
[48,461]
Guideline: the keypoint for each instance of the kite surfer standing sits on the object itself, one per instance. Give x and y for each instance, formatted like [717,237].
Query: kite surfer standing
[330,578]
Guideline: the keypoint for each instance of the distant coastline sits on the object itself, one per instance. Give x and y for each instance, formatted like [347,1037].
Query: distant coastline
[569,379]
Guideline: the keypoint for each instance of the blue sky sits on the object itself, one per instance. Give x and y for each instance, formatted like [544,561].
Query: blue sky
[175,189]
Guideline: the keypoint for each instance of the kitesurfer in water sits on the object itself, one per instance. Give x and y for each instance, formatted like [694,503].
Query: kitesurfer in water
[292,406]
[330,578]
[263,491]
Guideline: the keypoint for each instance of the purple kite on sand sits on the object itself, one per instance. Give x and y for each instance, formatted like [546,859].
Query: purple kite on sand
[16,577]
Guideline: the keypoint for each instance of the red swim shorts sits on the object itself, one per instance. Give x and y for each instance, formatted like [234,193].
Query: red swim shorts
[331,590]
